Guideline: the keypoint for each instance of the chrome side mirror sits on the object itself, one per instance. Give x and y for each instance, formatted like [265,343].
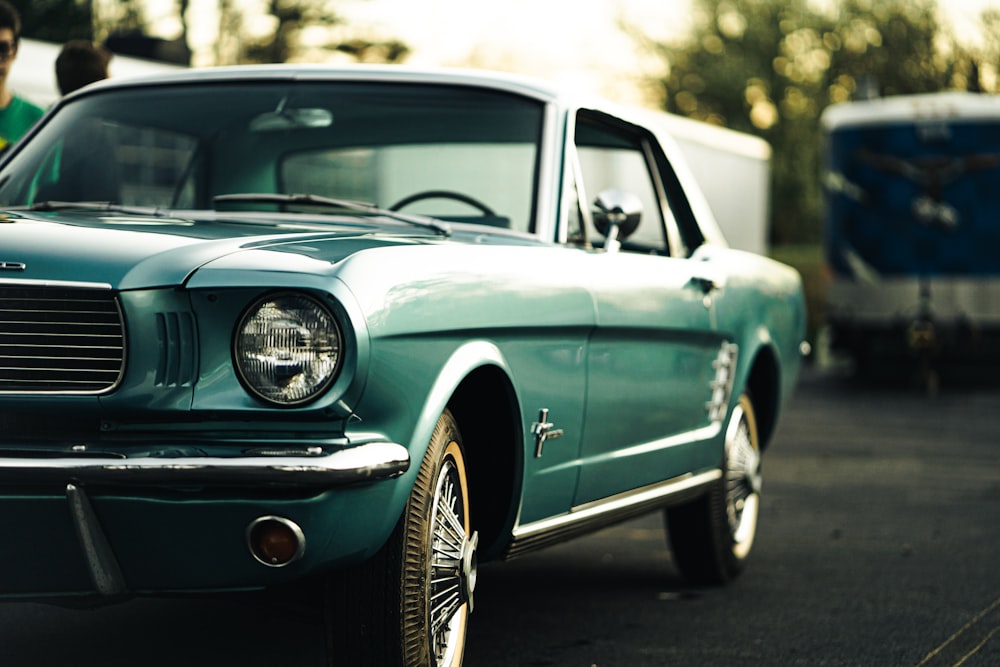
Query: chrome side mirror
[616,215]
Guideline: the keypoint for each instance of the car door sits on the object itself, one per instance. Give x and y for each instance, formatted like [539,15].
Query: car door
[654,356]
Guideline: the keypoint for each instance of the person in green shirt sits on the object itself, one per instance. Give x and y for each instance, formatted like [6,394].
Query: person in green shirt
[17,114]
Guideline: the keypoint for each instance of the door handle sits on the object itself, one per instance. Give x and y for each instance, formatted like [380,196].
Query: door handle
[706,285]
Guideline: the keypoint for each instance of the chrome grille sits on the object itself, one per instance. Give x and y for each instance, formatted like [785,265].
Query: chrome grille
[60,340]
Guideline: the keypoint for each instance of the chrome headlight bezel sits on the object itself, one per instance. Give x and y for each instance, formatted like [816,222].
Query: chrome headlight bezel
[307,367]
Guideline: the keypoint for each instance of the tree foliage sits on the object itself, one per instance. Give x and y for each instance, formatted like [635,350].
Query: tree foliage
[770,67]
[286,40]
[293,18]
[55,20]
[126,25]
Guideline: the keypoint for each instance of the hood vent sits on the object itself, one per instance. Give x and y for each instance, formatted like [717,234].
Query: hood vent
[60,340]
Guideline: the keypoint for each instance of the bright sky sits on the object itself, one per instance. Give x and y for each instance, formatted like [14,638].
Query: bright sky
[571,41]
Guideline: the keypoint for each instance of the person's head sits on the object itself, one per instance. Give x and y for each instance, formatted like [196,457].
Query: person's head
[80,62]
[10,37]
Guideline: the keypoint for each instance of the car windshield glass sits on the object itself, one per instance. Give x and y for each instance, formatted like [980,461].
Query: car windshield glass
[457,153]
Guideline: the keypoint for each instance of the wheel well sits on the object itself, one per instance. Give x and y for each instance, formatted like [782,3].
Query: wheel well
[486,411]
[764,385]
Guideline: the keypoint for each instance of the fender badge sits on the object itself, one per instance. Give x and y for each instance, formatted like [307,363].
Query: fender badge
[543,430]
[13,266]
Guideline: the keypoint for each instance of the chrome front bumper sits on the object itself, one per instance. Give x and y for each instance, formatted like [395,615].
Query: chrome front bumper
[364,463]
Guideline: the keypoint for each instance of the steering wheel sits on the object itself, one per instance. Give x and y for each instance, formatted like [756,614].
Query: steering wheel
[443,194]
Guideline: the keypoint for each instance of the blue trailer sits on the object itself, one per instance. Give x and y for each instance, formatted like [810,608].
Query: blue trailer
[912,232]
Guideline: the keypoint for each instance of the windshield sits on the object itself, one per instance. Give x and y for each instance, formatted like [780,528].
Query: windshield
[461,154]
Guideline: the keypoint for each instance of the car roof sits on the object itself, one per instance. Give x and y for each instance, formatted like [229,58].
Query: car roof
[511,83]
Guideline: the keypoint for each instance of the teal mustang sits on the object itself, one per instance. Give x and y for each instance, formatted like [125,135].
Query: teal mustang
[359,329]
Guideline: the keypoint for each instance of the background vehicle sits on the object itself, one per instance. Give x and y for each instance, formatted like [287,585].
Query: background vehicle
[357,329]
[911,231]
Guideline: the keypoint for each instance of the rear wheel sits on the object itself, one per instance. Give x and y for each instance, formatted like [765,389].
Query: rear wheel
[410,603]
[711,536]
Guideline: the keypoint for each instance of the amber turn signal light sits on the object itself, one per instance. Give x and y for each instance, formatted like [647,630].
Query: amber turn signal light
[275,541]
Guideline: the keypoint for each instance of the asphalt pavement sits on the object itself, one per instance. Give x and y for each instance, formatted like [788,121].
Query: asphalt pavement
[878,545]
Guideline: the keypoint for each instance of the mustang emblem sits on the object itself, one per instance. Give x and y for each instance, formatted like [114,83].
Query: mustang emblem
[544,430]
[13,266]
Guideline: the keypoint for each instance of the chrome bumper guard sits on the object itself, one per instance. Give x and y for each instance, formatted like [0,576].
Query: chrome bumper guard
[363,463]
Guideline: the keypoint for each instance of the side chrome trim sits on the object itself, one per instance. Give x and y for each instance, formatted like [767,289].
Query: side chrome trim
[104,569]
[365,463]
[607,511]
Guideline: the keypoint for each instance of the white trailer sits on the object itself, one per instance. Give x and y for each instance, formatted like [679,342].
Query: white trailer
[733,170]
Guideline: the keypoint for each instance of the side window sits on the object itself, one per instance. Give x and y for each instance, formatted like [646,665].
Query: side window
[688,233]
[612,157]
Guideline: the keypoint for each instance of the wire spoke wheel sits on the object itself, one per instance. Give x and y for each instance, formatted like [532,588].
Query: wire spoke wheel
[452,567]
[743,479]
[409,605]
[711,536]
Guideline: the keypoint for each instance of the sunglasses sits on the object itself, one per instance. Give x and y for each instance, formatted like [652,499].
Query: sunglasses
[7,49]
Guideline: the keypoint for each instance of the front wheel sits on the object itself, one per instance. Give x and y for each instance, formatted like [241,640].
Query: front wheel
[711,537]
[410,603]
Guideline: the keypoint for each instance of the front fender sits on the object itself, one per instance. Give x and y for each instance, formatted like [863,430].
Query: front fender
[392,406]
[463,362]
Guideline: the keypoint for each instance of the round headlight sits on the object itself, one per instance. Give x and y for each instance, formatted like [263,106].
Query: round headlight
[287,348]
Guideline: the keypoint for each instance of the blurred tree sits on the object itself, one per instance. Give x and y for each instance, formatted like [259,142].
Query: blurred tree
[984,58]
[770,67]
[299,30]
[124,16]
[182,12]
[294,19]
[363,50]
[229,41]
[892,45]
[290,17]
[55,20]
[125,28]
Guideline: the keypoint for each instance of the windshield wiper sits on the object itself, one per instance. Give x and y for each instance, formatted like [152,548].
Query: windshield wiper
[108,206]
[330,202]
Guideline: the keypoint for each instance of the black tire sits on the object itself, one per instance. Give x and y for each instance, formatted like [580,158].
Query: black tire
[409,604]
[711,537]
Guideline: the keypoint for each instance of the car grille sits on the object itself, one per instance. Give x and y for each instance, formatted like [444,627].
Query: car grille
[60,340]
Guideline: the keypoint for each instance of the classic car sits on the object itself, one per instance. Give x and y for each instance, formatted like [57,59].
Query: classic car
[359,329]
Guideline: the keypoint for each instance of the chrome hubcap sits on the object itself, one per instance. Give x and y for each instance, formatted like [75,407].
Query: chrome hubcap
[743,481]
[453,566]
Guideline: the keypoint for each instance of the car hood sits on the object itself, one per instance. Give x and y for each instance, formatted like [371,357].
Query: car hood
[136,252]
